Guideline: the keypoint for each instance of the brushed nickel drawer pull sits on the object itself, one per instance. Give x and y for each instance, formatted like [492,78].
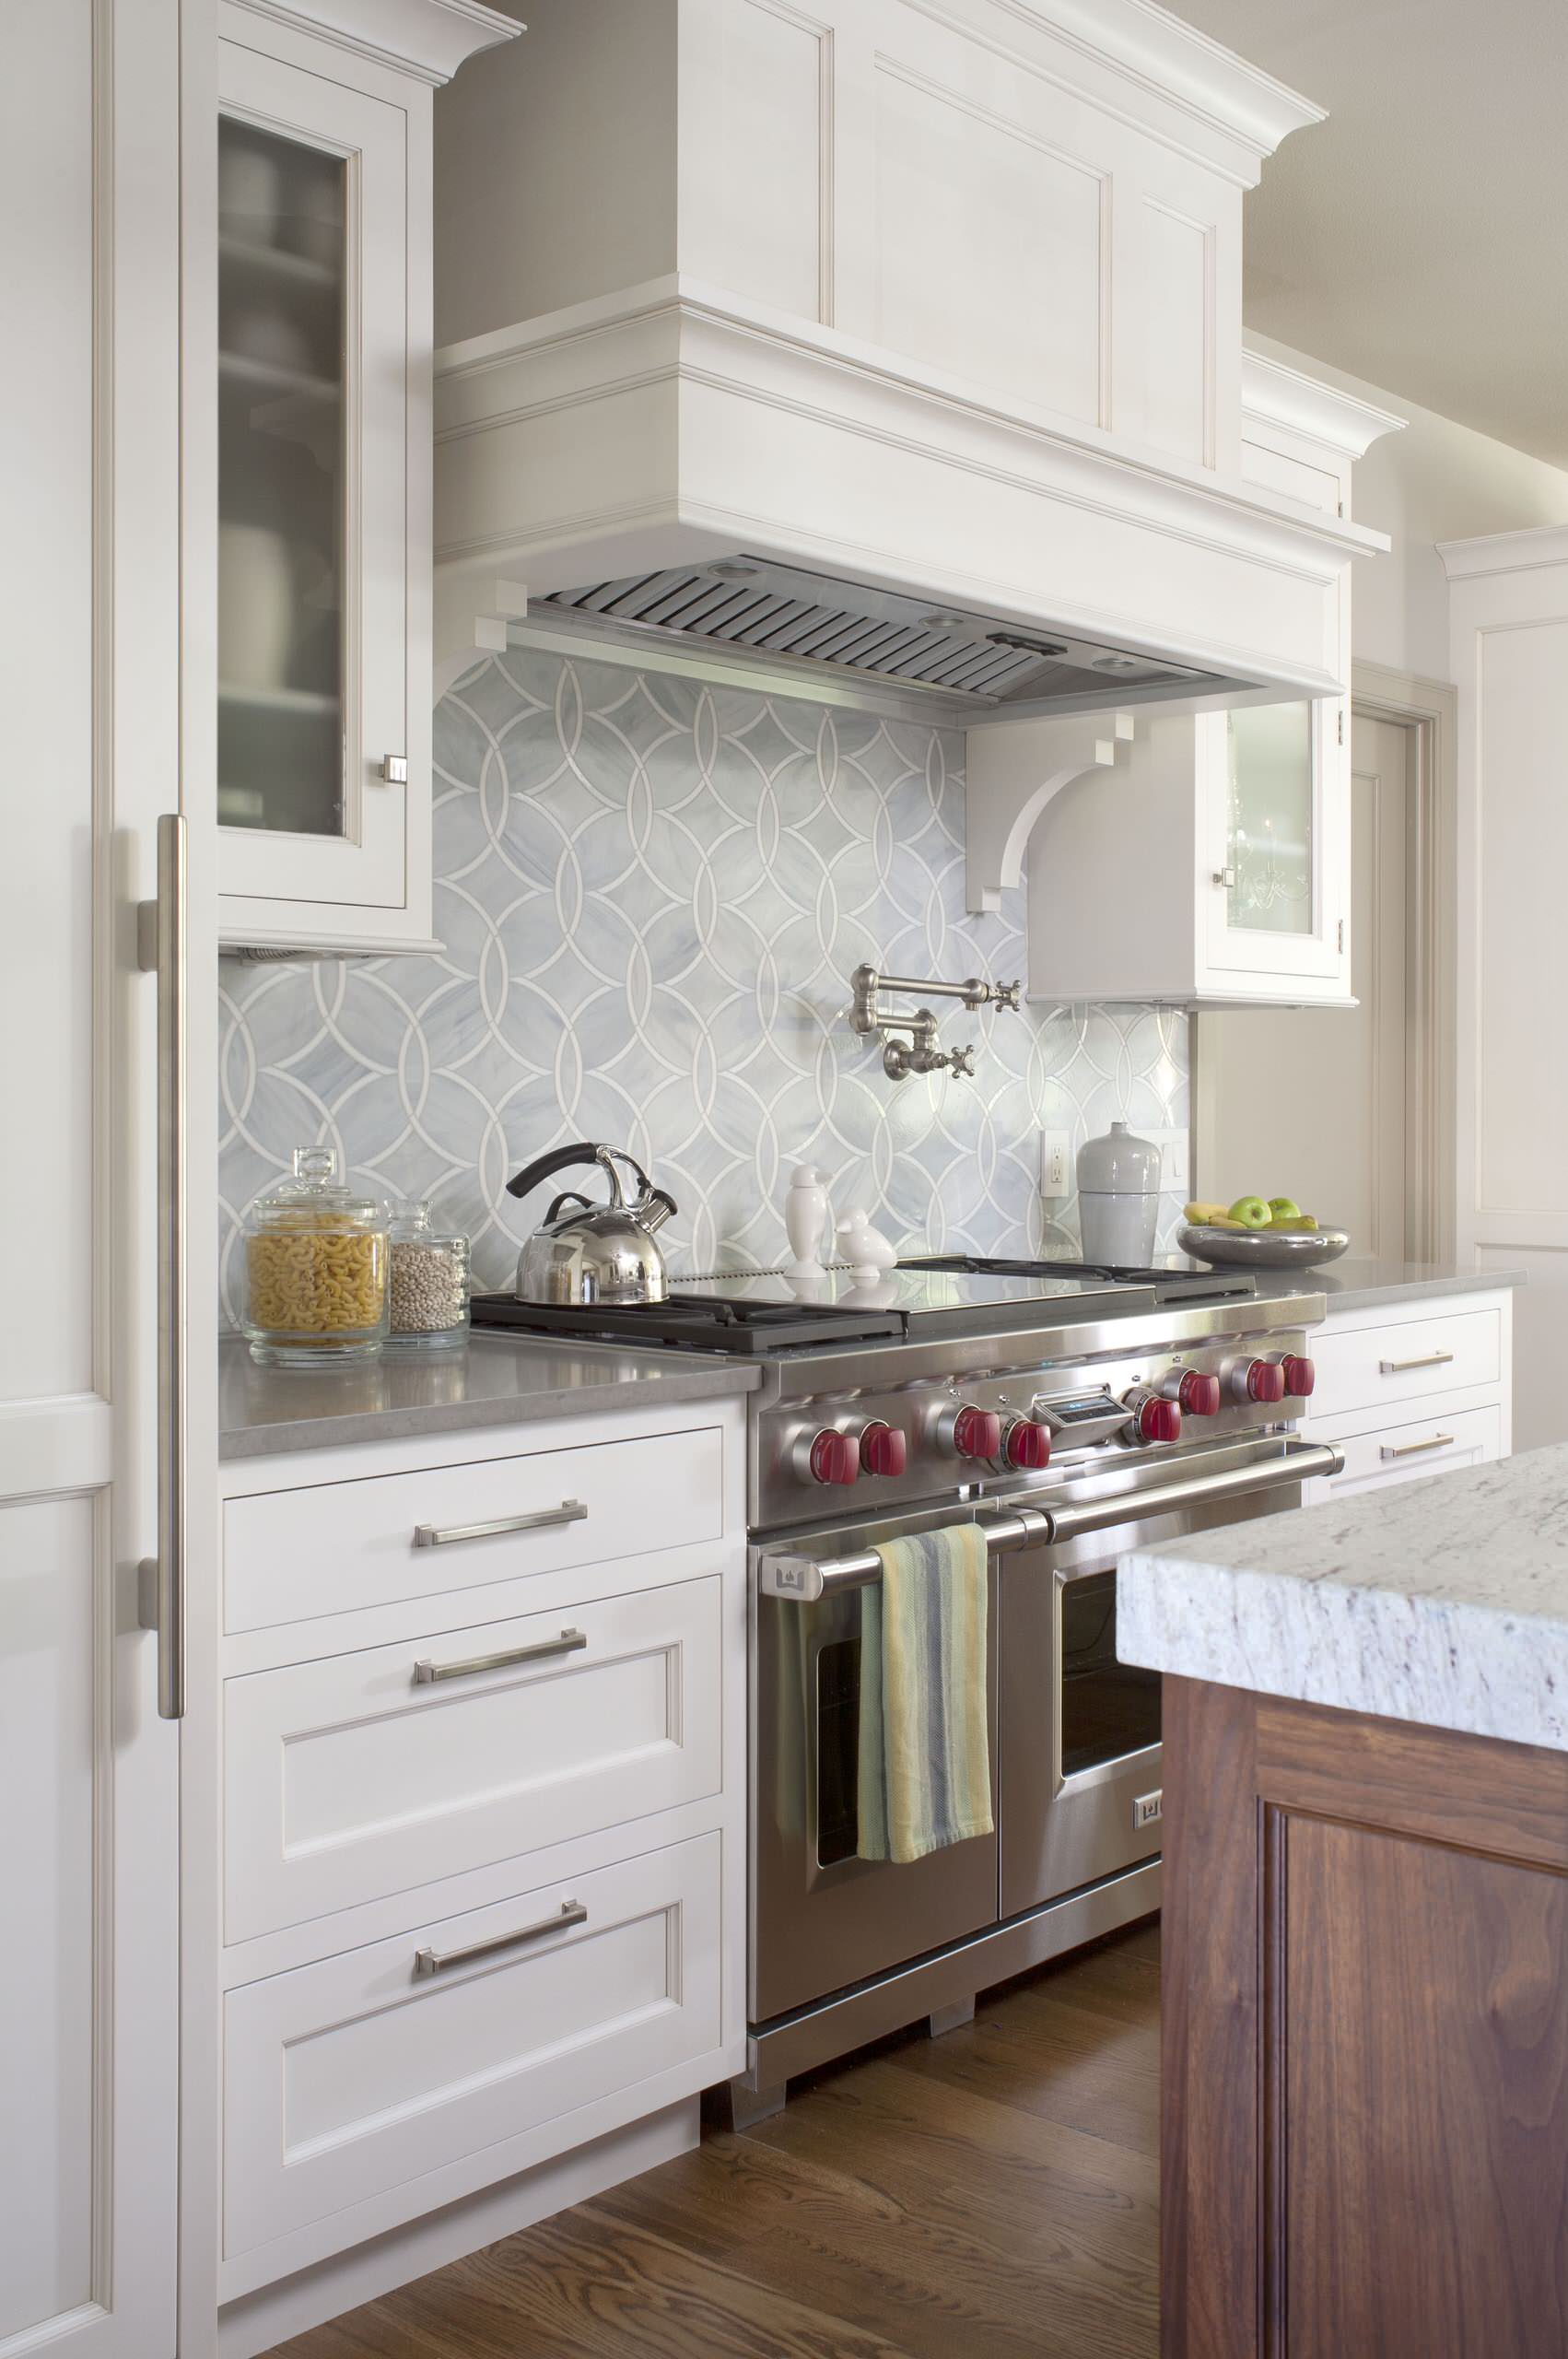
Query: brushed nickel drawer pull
[431,1535]
[430,1962]
[1414,1448]
[1427,1359]
[426,1673]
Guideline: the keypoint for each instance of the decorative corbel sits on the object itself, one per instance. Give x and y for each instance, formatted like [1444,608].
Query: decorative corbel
[1013,768]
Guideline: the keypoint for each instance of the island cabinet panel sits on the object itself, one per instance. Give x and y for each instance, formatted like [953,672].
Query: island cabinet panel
[1365,2136]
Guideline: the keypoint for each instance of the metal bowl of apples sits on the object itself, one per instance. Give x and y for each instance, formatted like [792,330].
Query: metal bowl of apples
[1259,1232]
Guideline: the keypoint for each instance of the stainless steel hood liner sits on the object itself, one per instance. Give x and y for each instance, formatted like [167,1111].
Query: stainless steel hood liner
[789,616]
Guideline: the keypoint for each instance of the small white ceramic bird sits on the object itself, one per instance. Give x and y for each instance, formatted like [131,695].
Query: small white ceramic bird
[865,1249]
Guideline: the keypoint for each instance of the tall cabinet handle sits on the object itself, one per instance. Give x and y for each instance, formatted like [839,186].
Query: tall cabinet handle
[161,950]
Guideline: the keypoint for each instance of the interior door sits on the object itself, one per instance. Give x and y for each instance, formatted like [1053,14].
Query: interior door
[89,620]
[1310,1102]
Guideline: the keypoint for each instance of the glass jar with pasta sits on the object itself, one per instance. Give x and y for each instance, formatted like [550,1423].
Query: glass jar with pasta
[315,1260]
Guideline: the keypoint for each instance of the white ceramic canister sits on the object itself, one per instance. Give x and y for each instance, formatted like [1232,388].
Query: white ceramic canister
[1118,1197]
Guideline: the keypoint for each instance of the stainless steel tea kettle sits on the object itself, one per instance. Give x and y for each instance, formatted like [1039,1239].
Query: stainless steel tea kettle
[593,1252]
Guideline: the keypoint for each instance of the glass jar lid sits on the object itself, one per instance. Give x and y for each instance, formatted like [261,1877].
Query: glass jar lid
[315,1197]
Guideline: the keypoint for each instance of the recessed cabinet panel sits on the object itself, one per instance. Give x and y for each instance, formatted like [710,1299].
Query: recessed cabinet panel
[760,85]
[353,2077]
[1178,334]
[989,258]
[315,789]
[363,1774]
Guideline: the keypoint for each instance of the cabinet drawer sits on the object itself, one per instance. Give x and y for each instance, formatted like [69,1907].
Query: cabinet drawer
[1367,1368]
[361,1775]
[290,1555]
[349,2078]
[1432,1443]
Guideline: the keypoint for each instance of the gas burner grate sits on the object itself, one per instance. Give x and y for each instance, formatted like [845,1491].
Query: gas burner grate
[702,1322]
[1172,1285]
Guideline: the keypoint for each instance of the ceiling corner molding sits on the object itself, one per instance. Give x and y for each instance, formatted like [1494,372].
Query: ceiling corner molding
[429,39]
[1525,551]
[1279,395]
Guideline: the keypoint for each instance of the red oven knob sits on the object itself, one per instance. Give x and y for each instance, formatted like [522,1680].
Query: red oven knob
[1158,1420]
[833,1458]
[1300,1376]
[885,1450]
[1027,1445]
[1195,1395]
[1259,1380]
[976,1433]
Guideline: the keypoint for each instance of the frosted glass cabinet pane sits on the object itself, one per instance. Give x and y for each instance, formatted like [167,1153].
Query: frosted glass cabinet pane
[1271,797]
[282,287]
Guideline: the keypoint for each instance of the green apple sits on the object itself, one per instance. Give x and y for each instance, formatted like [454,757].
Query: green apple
[1284,1208]
[1251,1211]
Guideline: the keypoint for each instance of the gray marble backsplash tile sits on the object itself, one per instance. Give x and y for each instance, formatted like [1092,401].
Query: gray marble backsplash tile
[652,890]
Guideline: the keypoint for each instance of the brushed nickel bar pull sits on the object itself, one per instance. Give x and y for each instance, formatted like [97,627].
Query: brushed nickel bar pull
[430,1535]
[1300,1460]
[430,1962]
[1427,1359]
[426,1673]
[160,948]
[1414,1448]
[803,1580]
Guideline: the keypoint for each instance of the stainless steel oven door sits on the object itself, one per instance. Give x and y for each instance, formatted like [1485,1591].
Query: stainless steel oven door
[1080,1729]
[821,1916]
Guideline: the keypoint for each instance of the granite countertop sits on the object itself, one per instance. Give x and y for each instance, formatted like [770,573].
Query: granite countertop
[1357,1283]
[492,1381]
[1443,1602]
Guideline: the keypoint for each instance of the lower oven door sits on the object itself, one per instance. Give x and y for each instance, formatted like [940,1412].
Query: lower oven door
[821,1916]
[1080,1773]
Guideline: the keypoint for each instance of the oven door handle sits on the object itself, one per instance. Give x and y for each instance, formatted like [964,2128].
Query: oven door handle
[1299,1462]
[803,1580]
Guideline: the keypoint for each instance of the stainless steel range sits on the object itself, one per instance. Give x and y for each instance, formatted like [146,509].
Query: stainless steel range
[1071,1412]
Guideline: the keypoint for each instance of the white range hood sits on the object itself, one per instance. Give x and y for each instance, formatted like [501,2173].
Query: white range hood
[897,338]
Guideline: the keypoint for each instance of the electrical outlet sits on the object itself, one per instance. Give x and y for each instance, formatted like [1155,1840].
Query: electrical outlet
[1174,1164]
[1056,1164]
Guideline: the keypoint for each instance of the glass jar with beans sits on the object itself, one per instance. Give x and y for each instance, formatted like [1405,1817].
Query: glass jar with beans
[430,1284]
[315,1260]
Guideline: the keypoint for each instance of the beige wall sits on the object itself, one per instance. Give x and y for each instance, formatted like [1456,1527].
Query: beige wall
[1438,481]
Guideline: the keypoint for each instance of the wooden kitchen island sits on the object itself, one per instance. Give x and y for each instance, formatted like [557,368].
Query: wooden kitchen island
[1364,2134]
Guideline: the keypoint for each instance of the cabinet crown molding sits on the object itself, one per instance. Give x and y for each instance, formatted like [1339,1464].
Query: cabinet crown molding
[1521,552]
[428,39]
[1275,395]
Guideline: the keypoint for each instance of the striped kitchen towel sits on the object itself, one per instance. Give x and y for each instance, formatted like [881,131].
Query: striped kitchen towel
[925,1777]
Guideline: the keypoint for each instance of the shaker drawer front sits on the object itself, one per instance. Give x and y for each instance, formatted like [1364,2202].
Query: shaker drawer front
[348,2078]
[1369,1368]
[361,1775]
[291,1556]
[1434,1443]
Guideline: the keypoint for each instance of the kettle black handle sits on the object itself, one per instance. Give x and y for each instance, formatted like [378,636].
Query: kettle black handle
[561,1158]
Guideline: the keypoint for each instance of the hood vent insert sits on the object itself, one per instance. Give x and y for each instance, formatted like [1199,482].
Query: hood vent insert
[789,617]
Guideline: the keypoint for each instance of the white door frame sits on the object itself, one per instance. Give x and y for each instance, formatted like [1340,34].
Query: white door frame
[1429,711]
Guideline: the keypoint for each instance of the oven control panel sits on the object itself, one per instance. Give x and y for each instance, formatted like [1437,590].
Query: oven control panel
[982,1434]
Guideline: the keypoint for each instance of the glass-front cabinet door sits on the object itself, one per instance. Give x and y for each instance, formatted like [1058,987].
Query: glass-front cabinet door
[1275,828]
[312,458]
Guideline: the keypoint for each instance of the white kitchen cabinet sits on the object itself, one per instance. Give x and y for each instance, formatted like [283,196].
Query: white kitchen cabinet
[1414,1388]
[323,407]
[483,1798]
[107,798]
[1203,857]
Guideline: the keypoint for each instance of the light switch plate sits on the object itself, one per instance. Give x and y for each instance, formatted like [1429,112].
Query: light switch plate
[1055,1165]
[1174,1164]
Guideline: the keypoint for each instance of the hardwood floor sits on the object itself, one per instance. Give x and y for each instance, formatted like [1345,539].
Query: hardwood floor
[984,2196]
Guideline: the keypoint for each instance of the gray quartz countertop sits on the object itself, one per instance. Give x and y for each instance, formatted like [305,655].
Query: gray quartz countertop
[1443,1602]
[492,1381]
[1355,1284]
